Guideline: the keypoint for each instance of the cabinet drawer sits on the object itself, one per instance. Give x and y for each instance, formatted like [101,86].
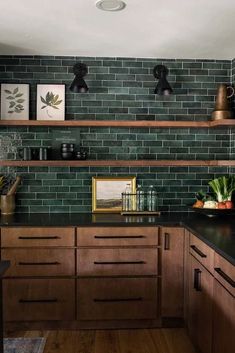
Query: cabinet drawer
[40,262]
[29,237]
[38,299]
[225,273]
[117,236]
[202,252]
[117,262]
[117,299]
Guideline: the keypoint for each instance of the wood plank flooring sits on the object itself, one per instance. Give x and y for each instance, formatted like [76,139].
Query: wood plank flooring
[113,341]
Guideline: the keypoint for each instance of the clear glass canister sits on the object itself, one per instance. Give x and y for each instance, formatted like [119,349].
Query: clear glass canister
[151,199]
[140,199]
[127,199]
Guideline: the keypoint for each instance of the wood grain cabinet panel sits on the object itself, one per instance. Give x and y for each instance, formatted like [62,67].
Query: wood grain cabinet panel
[40,262]
[30,237]
[202,252]
[117,262]
[172,241]
[224,320]
[225,273]
[117,236]
[117,299]
[200,306]
[39,299]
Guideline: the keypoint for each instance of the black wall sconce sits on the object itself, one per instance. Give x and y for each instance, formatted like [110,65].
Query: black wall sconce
[79,85]
[163,87]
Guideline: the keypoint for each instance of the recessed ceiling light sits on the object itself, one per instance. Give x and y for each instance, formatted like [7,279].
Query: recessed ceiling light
[110,5]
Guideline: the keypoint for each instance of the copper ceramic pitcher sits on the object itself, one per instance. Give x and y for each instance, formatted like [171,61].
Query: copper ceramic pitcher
[222,108]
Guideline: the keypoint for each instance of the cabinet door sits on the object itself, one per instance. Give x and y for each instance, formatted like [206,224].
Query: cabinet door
[37,236]
[117,262]
[117,298]
[224,320]
[200,306]
[172,241]
[39,299]
[117,236]
[40,262]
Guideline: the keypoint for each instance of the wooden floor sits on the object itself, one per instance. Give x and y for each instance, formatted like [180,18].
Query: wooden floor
[113,341]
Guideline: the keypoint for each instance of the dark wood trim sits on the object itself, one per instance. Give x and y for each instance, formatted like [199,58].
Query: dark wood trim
[121,123]
[116,163]
[82,324]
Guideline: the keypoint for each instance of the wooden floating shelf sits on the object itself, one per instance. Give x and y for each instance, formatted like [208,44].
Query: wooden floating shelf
[117,163]
[121,123]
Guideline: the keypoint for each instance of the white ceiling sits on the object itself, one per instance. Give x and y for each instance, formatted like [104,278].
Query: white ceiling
[145,28]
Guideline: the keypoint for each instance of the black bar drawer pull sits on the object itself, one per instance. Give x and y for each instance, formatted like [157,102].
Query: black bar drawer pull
[119,236]
[23,301]
[197,251]
[38,263]
[119,262]
[197,280]
[38,238]
[228,279]
[166,241]
[138,299]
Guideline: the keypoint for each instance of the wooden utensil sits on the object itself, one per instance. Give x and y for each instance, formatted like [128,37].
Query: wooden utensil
[13,188]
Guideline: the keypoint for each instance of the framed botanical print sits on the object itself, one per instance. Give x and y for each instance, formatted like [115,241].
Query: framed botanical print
[14,101]
[107,193]
[50,102]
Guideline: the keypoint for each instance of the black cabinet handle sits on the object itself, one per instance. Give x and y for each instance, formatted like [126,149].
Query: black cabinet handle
[119,236]
[111,300]
[38,238]
[228,279]
[23,301]
[38,263]
[119,262]
[197,251]
[166,241]
[197,280]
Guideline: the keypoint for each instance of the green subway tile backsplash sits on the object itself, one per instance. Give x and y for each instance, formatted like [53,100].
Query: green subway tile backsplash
[121,89]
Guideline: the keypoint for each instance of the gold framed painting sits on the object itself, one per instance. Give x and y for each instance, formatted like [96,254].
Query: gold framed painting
[107,193]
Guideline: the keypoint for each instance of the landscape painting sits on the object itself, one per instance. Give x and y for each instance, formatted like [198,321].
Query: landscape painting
[14,101]
[107,193]
[50,102]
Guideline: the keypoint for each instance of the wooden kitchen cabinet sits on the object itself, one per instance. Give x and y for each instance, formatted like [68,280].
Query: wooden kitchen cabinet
[117,262]
[117,236]
[37,237]
[202,252]
[39,286]
[39,299]
[200,306]
[224,306]
[118,276]
[40,262]
[172,289]
[117,298]
[81,278]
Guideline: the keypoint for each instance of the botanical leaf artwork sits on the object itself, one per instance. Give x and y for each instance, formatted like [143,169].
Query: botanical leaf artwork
[15,100]
[51,101]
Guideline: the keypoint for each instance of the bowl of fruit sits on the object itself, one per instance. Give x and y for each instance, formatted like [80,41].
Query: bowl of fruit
[220,202]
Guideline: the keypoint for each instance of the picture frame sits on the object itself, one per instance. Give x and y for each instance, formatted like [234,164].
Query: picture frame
[50,102]
[107,193]
[14,101]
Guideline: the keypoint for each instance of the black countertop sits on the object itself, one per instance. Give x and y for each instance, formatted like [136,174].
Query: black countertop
[88,219]
[218,232]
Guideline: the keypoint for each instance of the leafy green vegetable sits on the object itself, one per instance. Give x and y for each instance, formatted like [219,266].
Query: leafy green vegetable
[223,187]
[200,195]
